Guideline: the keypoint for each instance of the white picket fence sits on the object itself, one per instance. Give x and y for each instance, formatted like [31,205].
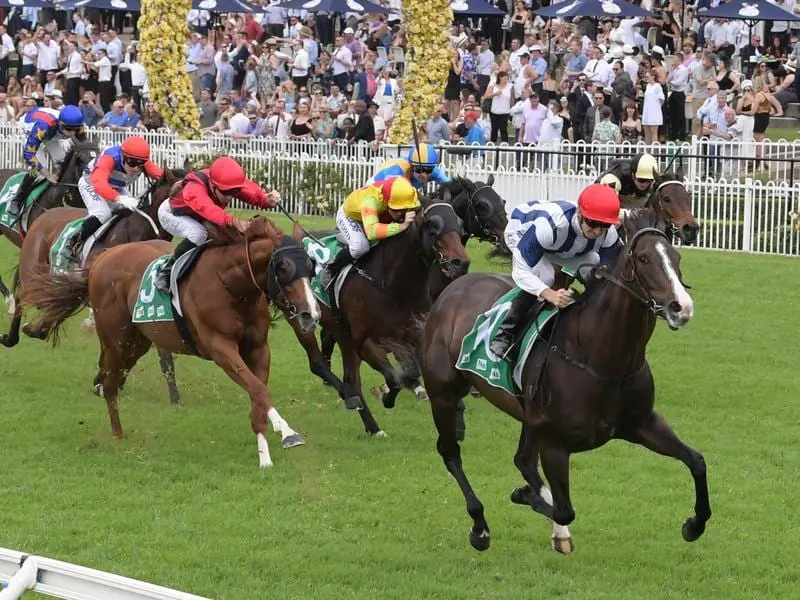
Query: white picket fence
[20,573]
[740,213]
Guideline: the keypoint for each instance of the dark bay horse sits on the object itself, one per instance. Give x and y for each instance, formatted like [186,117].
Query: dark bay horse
[672,204]
[589,383]
[64,193]
[223,302]
[483,216]
[383,298]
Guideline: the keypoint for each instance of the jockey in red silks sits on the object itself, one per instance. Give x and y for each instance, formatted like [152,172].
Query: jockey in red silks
[203,196]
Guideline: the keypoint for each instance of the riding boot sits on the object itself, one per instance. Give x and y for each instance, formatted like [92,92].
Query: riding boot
[89,226]
[25,188]
[162,279]
[514,322]
[332,269]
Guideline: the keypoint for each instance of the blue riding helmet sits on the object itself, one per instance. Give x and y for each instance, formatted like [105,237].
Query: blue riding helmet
[424,155]
[70,116]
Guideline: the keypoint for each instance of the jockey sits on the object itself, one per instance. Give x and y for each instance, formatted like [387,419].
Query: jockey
[49,131]
[421,165]
[203,196]
[542,233]
[363,217]
[638,178]
[105,184]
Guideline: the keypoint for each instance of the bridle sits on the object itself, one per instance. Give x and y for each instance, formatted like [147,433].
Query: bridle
[630,274]
[279,294]
[484,234]
[439,258]
[658,205]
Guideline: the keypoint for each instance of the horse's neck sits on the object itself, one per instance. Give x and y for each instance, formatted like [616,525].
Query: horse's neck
[236,274]
[613,330]
[404,274]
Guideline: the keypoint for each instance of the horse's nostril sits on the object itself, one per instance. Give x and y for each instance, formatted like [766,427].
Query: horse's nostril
[674,307]
[460,263]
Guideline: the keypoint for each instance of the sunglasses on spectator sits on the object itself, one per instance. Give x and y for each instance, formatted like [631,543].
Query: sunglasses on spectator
[596,224]
[134,162]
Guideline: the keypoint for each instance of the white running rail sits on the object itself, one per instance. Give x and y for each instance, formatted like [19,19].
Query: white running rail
[20,572]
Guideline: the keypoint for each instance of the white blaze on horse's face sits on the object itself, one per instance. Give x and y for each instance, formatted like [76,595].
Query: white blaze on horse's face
[313,306]
[680,308]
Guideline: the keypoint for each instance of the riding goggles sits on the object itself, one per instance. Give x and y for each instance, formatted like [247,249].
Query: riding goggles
[596,224]
[134,162]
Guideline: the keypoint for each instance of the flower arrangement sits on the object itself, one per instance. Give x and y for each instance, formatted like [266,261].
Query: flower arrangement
[427,63]
[163,54]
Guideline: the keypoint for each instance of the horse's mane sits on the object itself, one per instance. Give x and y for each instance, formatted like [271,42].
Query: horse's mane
[260,228]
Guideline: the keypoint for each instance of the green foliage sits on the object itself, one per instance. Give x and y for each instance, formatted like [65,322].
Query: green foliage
[321,185]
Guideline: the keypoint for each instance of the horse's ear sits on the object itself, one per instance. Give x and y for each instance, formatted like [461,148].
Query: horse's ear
[490,180]
[297,231]
[187,165]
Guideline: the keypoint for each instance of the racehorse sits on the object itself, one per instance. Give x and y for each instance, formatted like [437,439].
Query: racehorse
[483,216]
[672,204]
[587,383]
[63,193]
[382,299]
[223,304]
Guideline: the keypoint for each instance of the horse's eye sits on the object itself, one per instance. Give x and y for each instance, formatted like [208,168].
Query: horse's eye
[666,199]
[643,260]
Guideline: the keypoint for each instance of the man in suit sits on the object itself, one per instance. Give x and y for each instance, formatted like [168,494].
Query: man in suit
[365,128]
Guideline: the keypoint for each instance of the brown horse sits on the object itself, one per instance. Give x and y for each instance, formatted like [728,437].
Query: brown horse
[589,383]
[223,303]
[672,203]
[383,298]
[64,193]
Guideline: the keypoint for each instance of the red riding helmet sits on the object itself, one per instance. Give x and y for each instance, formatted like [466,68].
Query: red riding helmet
[136,147]
[599,202]
[226,174]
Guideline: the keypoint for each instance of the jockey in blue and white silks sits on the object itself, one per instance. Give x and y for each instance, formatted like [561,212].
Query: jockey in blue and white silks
[541,234]
[420,166]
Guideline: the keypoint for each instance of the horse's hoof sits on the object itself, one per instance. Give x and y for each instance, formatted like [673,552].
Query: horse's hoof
[97,390]
[290,441]
[474,393]
[380,434]
[264,464]
[520,495]
[562,545]
[379,390]
[421,394]
[6,341]
[692,530]
[353,403]
[480,541]
[390,399]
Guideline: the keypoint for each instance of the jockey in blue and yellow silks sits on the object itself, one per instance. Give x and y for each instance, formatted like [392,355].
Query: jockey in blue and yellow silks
[49,131]
[420,166]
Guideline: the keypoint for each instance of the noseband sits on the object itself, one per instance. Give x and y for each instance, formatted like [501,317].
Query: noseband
[658,205]
[630,275]
[439,258]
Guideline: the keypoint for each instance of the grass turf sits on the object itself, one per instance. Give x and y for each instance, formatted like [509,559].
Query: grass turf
[181,502]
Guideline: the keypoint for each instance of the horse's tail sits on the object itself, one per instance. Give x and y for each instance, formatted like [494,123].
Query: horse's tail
[57,297]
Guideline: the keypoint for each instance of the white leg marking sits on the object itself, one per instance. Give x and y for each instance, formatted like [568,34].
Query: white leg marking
[88,322]
[264,459]
[421,393]
[559,531]
[681,295]
[12,305]
[313,305]
[279,424]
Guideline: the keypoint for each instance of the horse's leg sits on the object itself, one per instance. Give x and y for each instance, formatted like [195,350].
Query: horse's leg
[258,361]
[410,373]
[376,357]
[11,339]
[322,368]
[655,434]
[328,343]
[97,384]
[9,298]
[536,494]
[555,464]
[351,363]
[225,353]
[167,363]
[444,407]
[88,323]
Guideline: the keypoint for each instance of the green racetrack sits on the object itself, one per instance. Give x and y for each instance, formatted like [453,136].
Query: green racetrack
[181,502]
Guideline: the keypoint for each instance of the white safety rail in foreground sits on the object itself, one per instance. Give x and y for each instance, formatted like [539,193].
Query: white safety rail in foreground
[22,572]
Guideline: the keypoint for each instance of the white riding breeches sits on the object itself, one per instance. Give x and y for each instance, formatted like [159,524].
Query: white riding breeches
[181,225]
[353,232]
[541,276]
[97,206]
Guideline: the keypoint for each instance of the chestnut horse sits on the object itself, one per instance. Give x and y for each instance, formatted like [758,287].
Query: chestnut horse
[382,300]
[589,383]
[63,193]
[223,303]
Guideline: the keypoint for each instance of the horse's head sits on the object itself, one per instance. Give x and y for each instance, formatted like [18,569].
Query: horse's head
[650,263]
[481,209]
[440,231]
[76,160]
[289,273]
[673,202]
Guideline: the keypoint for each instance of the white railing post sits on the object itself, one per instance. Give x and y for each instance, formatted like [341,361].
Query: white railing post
[747,209]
